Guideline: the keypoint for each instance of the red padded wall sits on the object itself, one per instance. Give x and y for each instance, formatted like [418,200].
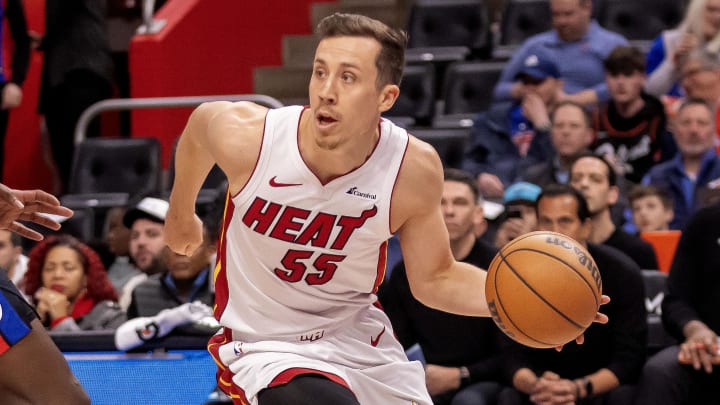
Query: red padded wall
[207,48]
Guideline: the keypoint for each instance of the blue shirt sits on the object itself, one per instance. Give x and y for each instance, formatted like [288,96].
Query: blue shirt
[671,177]
[580,63]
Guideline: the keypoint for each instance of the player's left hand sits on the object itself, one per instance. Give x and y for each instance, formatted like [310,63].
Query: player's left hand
[599,318]
[29,205]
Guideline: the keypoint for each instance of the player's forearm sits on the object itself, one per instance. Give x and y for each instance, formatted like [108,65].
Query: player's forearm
[459,290]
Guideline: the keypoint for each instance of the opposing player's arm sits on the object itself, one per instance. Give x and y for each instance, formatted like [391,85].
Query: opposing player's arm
[435,278]
[225,133]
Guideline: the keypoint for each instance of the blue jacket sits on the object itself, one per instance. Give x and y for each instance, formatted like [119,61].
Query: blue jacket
[671,177]
[491,150]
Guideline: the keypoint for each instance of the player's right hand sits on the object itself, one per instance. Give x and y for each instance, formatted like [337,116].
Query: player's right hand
[183,231]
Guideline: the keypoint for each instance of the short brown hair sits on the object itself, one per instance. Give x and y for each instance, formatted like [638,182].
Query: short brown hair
[625,60]
[391,58]
[641,191]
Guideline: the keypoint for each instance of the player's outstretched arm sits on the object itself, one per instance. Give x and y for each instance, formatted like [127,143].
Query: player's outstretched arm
[222,133]
[29,205]
[435,278]
[33,371]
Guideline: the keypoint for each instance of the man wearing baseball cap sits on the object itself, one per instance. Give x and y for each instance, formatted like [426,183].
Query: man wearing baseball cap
[499,144]
[519,216]
[146,221]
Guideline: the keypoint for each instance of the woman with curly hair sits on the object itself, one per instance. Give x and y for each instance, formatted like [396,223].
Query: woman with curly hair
[70,287]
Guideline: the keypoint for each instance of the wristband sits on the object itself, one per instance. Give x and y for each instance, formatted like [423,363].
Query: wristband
[464,376]
[588,386]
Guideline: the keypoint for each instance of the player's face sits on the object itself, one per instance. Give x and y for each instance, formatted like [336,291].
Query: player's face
[344,96]
[570,133]
[624,88]
[571,18]
[117,236]
[146,242]
[590,176]
[559,214]
[460,210]
[649,214]
[63,272]
[694,130]
[711,18]
[8,252]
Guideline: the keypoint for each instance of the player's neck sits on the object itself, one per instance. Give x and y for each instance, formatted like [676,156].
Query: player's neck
[328,163]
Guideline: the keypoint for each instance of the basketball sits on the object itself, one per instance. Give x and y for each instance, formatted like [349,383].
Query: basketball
[543,289]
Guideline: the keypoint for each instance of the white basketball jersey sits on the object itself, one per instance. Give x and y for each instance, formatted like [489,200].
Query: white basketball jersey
[298,256]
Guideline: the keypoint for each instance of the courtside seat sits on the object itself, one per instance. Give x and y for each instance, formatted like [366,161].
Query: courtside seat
[416,103]
[450,23]
[640,20]
[467,90]
[654,282]
[521,19]
[664,243]
[107,171]
[449,142]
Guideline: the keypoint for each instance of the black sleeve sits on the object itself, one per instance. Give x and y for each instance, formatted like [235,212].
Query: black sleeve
[395,296]
[629,324]
[676,307]
[19,31]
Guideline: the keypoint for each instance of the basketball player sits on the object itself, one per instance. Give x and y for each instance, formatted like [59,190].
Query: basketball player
[32,369]
[308,215]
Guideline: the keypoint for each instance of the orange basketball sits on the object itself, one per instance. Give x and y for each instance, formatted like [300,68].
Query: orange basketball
[543,289]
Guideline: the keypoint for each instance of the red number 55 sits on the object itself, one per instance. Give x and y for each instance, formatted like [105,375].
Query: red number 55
[295,270]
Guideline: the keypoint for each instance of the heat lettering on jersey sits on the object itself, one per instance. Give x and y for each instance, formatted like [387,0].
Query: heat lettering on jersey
[317,231]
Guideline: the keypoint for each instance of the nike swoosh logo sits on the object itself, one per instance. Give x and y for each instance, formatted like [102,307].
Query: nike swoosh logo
[274,183]
[374,341]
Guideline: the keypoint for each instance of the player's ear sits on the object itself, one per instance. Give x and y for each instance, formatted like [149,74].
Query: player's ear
[613,195]
[388,95]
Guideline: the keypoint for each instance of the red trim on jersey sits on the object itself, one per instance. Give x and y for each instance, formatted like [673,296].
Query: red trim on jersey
[323,183]
[381,266]
[222,292]
[224,375]
[287,376]
[262,141]
[4,346]
[397,176]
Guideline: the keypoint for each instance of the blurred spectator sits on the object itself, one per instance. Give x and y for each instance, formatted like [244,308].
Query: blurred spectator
[630,127]
[77,72]
[146,222]
[604,368]
[595,178]
[691,313]
[462,352]
[519,216]
[117,238]
[696,168]
[578,42]
[652,208]
[69,286]
[12,260]
[175,300]
[11,85]
[700,29]
[570,135]
[501,137]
